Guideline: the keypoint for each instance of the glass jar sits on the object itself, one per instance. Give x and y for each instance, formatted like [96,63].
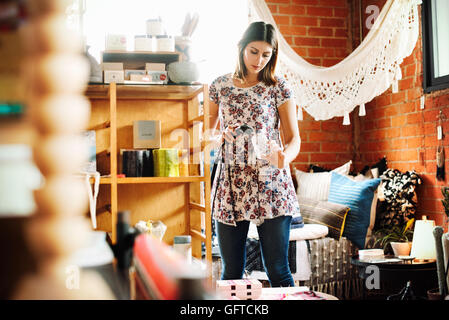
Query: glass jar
[183,245]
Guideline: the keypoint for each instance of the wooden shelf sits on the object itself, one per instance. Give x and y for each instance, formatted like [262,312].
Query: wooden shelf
[140,56]
[105,180]
[136,180]
[145,91]
[196,119]
[129,180]
[173,200]
[125,52]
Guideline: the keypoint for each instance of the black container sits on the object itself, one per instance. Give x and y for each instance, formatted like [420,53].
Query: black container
[148,166]
[137,163]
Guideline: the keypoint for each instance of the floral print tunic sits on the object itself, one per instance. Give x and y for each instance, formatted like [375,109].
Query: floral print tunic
[245,186]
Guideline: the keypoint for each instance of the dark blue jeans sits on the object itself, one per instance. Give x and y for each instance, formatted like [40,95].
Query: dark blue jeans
[274,235]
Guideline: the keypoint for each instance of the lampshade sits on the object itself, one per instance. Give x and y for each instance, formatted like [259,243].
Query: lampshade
[423,244]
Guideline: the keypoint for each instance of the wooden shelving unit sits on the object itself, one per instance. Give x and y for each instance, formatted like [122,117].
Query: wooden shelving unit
[182,203]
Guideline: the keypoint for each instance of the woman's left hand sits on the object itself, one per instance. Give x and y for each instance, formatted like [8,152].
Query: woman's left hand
[276,157]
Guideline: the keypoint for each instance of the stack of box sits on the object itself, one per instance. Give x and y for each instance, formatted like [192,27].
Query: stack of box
[245,289]
[156,72]
[148,159]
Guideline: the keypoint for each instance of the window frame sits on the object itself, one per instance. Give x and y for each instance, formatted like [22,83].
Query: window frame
[430,82]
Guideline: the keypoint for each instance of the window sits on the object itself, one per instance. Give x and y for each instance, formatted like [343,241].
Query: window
[435,22]
[220,26]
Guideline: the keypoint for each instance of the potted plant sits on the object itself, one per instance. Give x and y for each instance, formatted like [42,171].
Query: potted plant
[398,237]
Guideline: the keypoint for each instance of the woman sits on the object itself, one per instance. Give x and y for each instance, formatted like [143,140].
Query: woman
[253,106]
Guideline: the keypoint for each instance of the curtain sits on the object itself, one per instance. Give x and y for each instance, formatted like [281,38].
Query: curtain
[372,68]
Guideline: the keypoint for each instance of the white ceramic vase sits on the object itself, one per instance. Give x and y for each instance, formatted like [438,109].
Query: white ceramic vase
[401,248]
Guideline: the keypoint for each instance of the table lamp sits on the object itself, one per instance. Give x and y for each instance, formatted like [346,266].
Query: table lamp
[423,243]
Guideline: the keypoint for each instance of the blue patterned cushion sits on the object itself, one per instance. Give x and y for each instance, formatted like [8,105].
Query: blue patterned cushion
[358,196]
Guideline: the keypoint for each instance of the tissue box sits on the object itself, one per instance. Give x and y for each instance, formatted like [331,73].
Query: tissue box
[248,289]
[147,134]
[114,76]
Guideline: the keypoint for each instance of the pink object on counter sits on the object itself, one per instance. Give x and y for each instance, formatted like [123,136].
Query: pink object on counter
[248,289]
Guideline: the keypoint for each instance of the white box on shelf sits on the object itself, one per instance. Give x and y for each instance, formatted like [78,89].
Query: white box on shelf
[117,76]
[143,43]
[115,42]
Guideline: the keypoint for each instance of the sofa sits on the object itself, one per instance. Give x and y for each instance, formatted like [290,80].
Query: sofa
[352,206]
[338,223]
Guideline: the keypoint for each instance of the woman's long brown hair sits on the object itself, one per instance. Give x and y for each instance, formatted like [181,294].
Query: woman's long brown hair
[258,31]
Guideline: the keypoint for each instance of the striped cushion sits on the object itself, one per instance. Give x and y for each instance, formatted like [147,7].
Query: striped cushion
[316,185]
[325,213]
[358,196]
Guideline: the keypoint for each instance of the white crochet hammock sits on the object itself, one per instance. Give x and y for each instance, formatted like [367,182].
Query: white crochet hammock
[367,72]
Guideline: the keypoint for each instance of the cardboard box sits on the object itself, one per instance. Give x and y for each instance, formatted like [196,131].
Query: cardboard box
[155,66]
[147,134]
[113,66]
[116,76]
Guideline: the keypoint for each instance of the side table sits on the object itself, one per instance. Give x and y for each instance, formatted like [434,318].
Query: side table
[394,275]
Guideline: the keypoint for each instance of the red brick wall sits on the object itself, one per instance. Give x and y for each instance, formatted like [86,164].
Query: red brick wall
[319,31]
[396,126]
[324,32]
